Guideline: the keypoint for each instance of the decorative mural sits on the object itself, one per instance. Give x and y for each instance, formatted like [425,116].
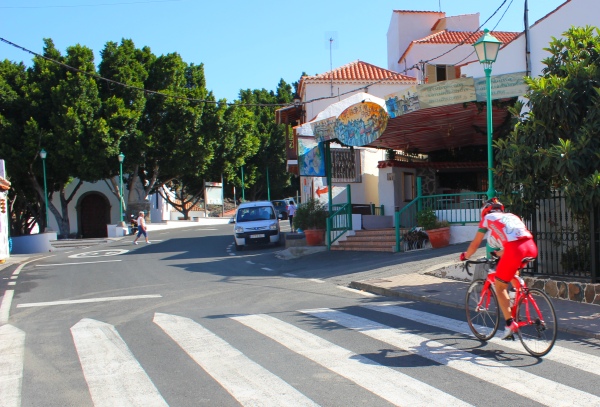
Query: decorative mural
[361,124]
[311,158]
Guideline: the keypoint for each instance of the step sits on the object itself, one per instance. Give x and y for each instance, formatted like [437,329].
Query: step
[383,238]
[362,249]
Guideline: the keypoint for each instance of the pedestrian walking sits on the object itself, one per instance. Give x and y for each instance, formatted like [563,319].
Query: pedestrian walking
[291,213]
[141,222]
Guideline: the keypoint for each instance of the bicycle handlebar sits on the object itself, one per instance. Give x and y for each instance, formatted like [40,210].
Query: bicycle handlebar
[491,261]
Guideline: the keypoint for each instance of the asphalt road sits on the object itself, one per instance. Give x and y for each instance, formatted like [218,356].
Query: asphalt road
[188,321]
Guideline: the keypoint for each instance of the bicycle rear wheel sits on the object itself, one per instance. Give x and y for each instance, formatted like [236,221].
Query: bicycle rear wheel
[483,319]
[537,329]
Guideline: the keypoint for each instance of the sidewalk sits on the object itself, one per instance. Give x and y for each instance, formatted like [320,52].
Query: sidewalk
[572,317]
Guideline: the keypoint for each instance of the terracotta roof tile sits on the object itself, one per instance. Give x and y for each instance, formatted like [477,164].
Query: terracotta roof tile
[457,37]
[361,71]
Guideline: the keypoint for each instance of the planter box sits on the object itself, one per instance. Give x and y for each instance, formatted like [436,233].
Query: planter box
[38,243]
[439,237]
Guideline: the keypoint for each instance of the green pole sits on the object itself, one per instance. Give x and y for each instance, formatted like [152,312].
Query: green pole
[243,195]
[121,158]
[268,187]
[490,130]
[328,173]
[43,155]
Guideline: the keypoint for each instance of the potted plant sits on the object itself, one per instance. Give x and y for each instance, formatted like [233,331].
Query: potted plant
[437,230]
[311,218]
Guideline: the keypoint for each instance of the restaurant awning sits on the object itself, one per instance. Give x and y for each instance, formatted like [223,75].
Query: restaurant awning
[440,128]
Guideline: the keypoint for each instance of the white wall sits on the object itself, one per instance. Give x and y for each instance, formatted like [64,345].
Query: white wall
[321,89]
[511,58]
[101,187]
[405,28]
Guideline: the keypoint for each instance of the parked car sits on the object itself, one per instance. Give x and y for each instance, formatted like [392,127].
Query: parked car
[281,206]
[256,223]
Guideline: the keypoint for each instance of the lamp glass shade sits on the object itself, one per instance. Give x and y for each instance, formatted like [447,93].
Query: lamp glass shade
[487,47]
[43,154]
[121,157]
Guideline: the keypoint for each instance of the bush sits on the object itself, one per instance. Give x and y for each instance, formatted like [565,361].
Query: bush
[311,214]
[428,221]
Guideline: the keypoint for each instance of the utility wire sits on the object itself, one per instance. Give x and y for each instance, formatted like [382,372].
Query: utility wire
[90,5]
[147,91]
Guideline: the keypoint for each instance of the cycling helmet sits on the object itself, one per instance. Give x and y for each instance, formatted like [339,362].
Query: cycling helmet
[492,205]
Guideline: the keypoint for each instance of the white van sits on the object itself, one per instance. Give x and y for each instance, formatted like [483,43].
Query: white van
[256,223]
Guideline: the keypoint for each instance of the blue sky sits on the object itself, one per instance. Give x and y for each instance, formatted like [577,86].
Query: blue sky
[243,44]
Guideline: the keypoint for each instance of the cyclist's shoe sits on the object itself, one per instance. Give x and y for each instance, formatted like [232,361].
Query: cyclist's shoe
[510,331]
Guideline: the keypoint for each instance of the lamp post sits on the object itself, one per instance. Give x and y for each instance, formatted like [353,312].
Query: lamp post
[43,157]
[487,47]
[121,158]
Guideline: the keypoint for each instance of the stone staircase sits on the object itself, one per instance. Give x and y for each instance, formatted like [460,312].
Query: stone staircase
[374,240]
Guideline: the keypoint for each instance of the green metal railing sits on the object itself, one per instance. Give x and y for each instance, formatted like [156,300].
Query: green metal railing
[377,210]
[340,221]
[457,209]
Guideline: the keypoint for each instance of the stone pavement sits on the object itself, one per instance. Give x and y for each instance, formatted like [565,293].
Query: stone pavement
[572,317]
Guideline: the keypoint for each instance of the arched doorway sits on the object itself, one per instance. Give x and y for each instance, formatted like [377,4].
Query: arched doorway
[94,215]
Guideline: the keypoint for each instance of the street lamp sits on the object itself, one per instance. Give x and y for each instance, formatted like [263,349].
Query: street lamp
[43,157]
[487,48]
[121,158]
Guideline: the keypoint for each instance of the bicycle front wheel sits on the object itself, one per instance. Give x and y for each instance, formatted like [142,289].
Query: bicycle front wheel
[537,322]
[483,315]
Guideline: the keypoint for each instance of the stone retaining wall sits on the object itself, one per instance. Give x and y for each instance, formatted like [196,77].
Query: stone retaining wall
[574,291]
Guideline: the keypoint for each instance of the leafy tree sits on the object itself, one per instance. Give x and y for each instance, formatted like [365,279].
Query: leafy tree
[556,143]
[60,112]
[24,202]
[123,106]
[271,154]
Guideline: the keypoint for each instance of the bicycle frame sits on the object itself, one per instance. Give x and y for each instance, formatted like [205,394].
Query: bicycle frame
[483,310]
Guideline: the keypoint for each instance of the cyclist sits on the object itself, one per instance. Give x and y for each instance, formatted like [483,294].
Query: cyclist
[508,231]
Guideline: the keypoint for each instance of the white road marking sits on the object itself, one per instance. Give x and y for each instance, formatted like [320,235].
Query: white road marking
[113,375]
[99,253]
[352,290]
[267,269]
[559,354]
[12,351]
[518,381]
[5,306]
[290,275]
[249,262]
[12,283]
[74,264]
[388,383]
[88,300]
[316,280]
[248,382]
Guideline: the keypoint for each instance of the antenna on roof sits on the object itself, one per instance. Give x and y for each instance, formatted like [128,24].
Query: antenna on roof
[440,5]
[332,42]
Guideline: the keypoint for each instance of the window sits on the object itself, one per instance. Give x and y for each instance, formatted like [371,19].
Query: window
[345,166]
[438,73]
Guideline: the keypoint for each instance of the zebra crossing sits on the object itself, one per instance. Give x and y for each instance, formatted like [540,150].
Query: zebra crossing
[115,377]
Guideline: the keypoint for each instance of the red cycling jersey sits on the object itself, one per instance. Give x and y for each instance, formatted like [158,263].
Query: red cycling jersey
[504,227]
[507,231]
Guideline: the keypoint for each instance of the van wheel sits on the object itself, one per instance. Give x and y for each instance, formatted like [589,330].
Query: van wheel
[239,247]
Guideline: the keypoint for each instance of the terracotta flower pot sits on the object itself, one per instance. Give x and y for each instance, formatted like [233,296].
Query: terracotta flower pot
[439,237]
[315,237]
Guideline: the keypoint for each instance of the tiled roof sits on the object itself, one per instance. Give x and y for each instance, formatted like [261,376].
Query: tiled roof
[457,37]
[418,12]
[361,71]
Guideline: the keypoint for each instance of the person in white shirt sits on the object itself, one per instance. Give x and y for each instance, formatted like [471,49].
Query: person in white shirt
[291,212]
[141,228]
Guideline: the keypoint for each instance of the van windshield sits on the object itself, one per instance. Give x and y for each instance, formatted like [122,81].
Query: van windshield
[255,213]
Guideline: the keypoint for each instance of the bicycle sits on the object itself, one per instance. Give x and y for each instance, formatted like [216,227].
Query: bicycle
[531,309]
